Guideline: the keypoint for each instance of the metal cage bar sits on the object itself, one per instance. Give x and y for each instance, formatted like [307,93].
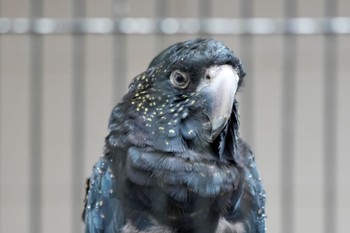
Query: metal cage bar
[288,122]
[78,118]
[36,119]
[1,110]
[120,43]
[330,80]
[161,10]
[246,42]
[171,26]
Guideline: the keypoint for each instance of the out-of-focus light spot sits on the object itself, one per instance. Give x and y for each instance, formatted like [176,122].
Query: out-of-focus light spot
[341,25]
[170,26]
[21,25]
[5,25]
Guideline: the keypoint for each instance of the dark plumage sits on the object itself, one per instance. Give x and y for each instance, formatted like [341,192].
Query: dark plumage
[173,160]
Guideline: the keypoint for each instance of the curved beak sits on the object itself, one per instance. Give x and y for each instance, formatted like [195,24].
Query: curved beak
[220,86]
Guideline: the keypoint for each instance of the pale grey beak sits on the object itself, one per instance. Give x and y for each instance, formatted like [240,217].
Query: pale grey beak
[220,85]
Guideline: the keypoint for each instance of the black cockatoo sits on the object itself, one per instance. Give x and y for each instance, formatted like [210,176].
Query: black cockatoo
[173,160]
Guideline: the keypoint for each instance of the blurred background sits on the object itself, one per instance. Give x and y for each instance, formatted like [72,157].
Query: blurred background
[65,64]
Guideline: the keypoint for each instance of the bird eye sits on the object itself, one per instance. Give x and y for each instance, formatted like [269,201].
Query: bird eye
[179,80]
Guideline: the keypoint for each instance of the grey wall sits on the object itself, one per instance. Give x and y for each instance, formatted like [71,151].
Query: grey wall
[105,76]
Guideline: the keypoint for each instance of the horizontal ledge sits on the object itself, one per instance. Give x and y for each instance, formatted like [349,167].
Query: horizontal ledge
[171,26]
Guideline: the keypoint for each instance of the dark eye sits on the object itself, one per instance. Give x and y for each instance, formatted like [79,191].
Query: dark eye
[179,79]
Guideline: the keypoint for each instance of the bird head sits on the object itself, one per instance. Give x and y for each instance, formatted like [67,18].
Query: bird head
[185,99]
